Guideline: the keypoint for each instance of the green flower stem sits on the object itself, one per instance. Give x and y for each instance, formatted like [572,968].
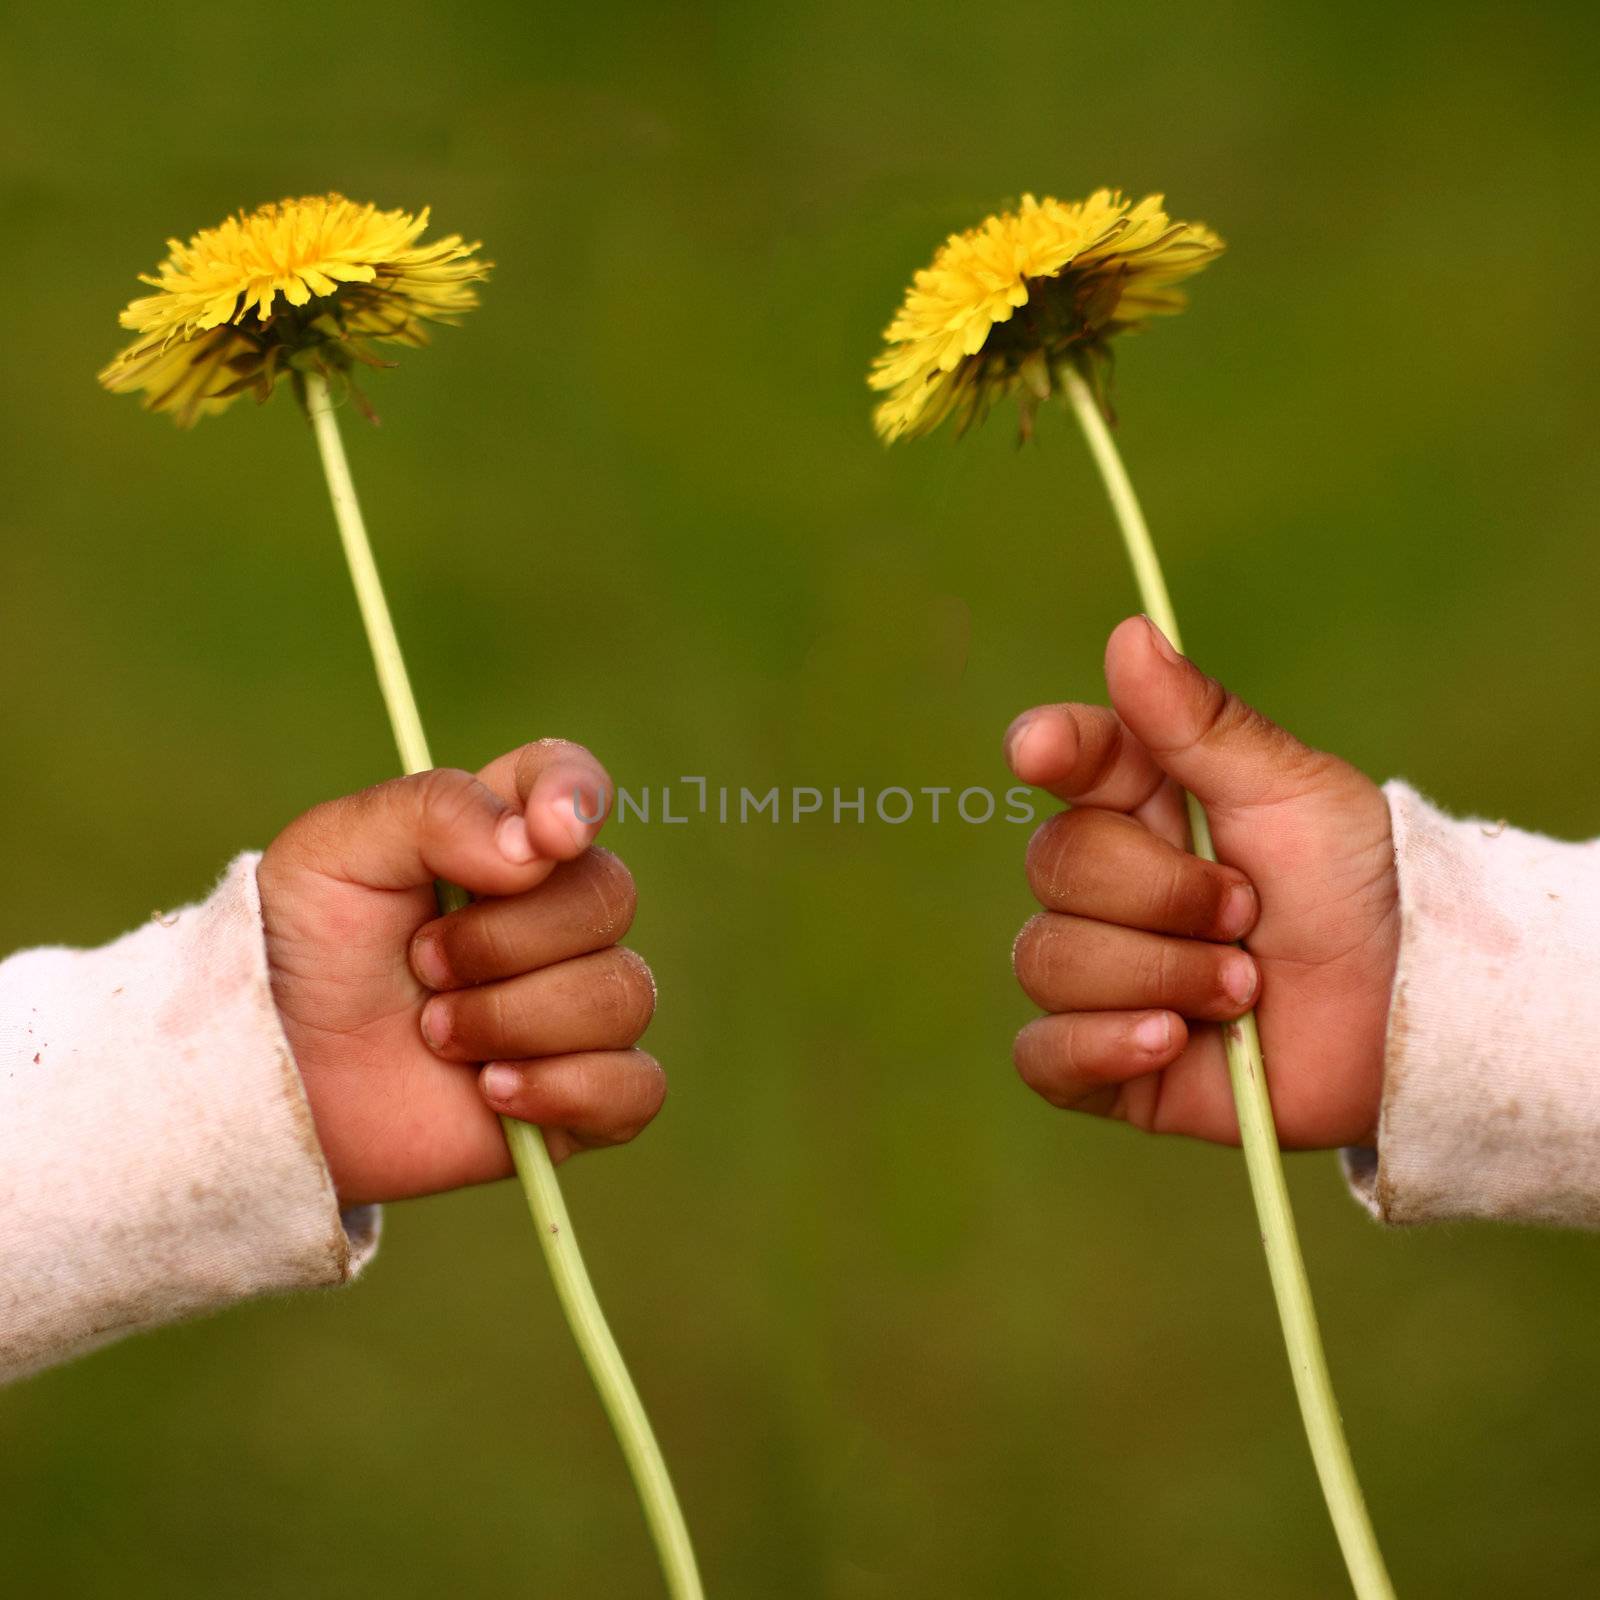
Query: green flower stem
[1318,1408]
[534,1167]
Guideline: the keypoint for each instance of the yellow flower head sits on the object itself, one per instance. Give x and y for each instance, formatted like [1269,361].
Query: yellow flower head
[303,282]
[1006,303]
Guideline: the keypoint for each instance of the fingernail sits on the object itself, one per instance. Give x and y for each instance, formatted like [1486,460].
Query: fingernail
[1239,977]
[511,835]
[1238,910]
[1153,1033]
[1017,736]
[499,1083]
[436,1023]
[427,961]
[1162,642]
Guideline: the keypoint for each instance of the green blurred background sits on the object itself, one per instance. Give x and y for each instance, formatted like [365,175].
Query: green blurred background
[904,1331]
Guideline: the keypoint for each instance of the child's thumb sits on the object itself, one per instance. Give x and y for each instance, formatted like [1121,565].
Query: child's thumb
[410,831]
[1221,750]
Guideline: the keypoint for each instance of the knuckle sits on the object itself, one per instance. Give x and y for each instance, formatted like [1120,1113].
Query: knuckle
[532,759]
[631,993]
[485,1017]
[1029,1056]
[1217,711]
[298,841]
[1299,765]
[1226,718]
[1024,1058]
[1161,969]
[480,943]
[1186,894]
[616,898]
[1106,757]
[1042,841]
[557,747]
[318,839]
[1057,844]
[1047,1062]
[651,1096]
[443,795]
[1030,955]
[1172,893]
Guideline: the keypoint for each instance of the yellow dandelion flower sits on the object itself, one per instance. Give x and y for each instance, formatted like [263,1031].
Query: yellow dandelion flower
[303,284]
[1005,304]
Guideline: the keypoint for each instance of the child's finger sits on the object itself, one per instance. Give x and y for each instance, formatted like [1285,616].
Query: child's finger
[1104,865]
[564,793]
[1069,1059]
[1067,963]
[1083,754]
[598,1097]
[594,1002]
[409,831]
[584,905]
[1210,741]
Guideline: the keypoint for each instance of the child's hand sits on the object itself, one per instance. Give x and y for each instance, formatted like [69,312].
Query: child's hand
[529,979]
[1134,937]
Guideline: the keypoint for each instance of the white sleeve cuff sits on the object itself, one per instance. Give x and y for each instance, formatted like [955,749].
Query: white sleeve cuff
[1491,1092]
[158,1158]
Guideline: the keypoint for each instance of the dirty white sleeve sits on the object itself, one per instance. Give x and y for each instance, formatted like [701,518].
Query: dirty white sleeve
[1491,1084]
[157,1155]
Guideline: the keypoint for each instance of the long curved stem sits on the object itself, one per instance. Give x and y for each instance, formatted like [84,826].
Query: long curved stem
[534,1167]
[1257,1133]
